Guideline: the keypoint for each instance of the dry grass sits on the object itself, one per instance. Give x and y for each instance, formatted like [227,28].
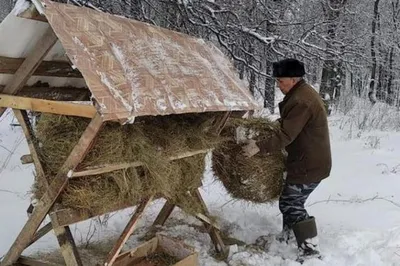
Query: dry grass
[258,179]
[150,141]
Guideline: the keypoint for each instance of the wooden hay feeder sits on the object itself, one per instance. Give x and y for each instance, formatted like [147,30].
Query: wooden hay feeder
[158,251]
[121,70]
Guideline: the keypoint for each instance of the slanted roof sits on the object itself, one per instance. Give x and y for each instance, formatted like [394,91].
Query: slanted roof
[135,69]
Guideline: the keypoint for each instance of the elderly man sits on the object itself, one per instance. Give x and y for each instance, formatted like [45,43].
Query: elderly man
[305,136]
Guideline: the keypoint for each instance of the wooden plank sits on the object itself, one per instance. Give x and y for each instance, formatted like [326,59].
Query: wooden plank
[68,246]
[32,13]
[214,232]
[44,92]
[30,64]
[205,219]
[47,106]
[9,65]
[52,193]
[41,233]
[26,261]
[63,234]
[130,227]
[55,93]
[23,120]
[113,167]
[164,214]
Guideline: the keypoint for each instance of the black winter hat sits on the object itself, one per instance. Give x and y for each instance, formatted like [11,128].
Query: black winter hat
[288,68]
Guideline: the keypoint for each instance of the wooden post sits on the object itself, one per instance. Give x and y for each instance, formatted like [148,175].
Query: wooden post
[214,232]
[67,246]
[130,227]
[41,233]
[52,193]
[164,214]
[23,120]
[63,234]
[30,64]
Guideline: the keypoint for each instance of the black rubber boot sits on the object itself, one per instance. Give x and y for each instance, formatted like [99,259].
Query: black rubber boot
[306,236]
[286,235]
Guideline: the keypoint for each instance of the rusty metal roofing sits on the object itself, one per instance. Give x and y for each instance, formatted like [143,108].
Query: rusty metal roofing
[135,69]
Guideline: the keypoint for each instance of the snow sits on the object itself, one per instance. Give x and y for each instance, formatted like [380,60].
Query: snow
[20,6]
[115,92]
[357,208]
[131,74]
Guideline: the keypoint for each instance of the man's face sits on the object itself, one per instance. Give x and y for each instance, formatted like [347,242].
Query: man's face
[285,84]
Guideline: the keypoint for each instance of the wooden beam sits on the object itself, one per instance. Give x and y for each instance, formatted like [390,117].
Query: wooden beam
[205,219]
[44,92]
[41,233]
[30,64]
[164,214]
[62,69]
[52,193]
[214,232]
[130,227]
[68,246]
[23,120]
[55,93]
[63,234]
[32,13]
[47,106]
[113,167]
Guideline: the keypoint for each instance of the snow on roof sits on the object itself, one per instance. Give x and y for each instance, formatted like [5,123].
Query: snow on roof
[135,69]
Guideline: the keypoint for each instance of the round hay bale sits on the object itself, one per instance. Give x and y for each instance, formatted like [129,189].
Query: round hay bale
[257,179]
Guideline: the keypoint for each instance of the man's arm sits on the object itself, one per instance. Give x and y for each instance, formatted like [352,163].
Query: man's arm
[291,126]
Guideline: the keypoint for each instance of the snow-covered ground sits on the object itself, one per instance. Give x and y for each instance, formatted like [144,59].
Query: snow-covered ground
[357,208]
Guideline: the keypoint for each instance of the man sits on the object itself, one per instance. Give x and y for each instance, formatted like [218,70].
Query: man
[305,136]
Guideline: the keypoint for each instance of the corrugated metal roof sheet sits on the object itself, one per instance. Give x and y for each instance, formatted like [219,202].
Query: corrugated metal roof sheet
[135,69]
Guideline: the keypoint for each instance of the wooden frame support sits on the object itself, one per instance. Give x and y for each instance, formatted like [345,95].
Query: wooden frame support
[130,227]
[47,106]
[62,69]
[46,206]
[52,193]
[41,233]
[164,214]
[30,64]
[63,234]
[67,246]
[113,167]
[214,232]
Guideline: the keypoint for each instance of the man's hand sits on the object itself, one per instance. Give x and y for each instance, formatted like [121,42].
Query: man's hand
[250,149]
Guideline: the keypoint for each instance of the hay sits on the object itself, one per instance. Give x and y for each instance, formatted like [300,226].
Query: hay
[158,259]
[258,179]
[150,141]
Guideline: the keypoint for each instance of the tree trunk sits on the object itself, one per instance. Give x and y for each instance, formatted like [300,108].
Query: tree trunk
[372,83]
[332,74]
[269,90]
[390,91]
